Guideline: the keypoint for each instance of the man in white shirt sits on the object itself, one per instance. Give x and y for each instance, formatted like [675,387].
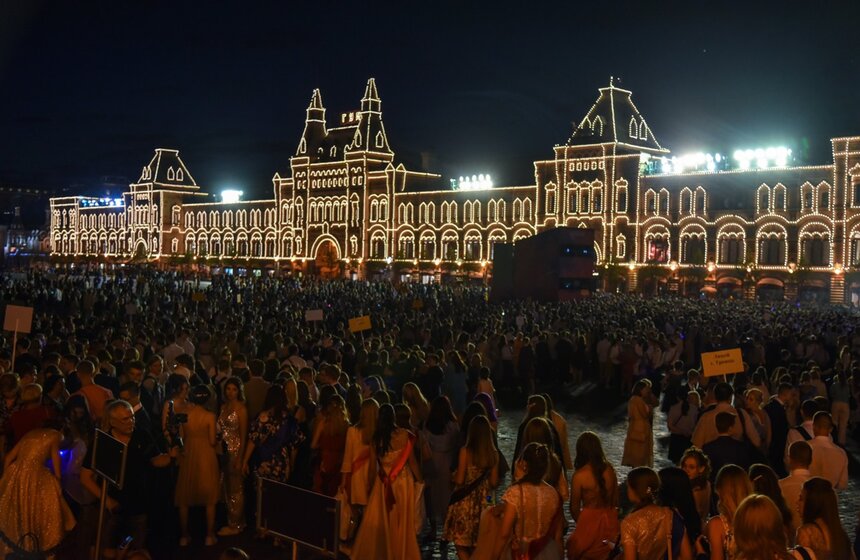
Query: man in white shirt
[828,459]
[799,459]
[706,428]
[170,353]
[803,432]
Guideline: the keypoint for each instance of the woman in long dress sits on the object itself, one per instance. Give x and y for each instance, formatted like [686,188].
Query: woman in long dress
[355,471]
[329,441]
[389,529]
[233,432]
[532,514]
[442,435]
[593,502]
[476,477]
[639,443]
[198,481]
[31,499]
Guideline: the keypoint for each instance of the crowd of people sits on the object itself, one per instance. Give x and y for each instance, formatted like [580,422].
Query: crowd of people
[212,385]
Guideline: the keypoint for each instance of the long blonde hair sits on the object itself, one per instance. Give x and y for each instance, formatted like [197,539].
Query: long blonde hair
[758,529]
[413,396]
[367,420]
[479,442]
[733,485]
[336,421]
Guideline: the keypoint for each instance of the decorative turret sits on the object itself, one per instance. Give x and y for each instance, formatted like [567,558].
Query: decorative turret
[370,134]
[615,119]
[315,127]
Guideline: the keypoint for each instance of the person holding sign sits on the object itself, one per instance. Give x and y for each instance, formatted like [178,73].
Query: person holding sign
[126,506]
[32,508]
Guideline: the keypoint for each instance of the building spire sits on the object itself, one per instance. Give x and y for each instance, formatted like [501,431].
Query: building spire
[370,101]
[316,111]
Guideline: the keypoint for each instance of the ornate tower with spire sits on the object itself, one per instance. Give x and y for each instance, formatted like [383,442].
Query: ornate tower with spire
[315,131]
[593,180]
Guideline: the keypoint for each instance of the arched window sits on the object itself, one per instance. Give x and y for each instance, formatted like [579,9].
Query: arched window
[763,198]
[633,129]
[550,199]
[701,201]
[651,202]
[428,246]
[407,247]
[620,246]
[686,201]
[472,246]
[823,197]
[597,197]
[621,206]
[778,195]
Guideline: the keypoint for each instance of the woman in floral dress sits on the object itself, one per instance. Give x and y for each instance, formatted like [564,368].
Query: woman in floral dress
[476,477]
[276,434]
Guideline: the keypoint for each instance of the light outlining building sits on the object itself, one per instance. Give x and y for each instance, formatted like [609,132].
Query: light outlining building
[347,207]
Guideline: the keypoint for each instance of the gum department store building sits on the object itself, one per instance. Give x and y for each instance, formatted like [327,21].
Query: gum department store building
[347,207]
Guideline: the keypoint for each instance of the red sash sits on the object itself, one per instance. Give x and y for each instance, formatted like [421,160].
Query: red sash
[357,463]
[388,479]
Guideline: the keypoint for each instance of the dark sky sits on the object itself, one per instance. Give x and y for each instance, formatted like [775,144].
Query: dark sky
[89,89]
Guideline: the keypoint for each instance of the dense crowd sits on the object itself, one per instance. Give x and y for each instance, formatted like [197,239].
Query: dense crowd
[211,385]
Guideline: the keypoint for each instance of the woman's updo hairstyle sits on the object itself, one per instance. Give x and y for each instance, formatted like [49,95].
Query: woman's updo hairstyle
[536,457]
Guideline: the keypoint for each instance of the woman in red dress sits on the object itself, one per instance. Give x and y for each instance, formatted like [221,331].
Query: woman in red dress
[330,440]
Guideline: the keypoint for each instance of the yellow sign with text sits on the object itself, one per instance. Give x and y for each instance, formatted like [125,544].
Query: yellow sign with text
[358,324]
[722,362]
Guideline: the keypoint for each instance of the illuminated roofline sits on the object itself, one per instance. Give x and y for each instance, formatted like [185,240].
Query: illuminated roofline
[448,191]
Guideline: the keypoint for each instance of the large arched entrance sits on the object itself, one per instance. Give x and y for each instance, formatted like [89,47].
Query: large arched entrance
[327,260]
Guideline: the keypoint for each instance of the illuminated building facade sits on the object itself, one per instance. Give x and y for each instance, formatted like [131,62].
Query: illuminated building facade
[347,207]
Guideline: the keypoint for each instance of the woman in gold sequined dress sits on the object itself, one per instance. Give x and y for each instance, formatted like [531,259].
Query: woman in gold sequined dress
[31,500]
[233,432]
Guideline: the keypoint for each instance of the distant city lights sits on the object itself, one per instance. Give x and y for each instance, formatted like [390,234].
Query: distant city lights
[763,157]
[231,195]
[104,201]
[473,183]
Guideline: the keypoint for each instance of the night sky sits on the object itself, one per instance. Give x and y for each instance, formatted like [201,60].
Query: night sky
[89,89]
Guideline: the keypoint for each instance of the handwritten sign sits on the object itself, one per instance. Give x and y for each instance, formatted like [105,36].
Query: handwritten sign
[722,362]
[18,319]
[198,297]
[358,324]
[314,315]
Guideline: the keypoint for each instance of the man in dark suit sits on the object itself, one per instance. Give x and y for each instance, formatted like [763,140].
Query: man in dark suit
[779,427]
[726,450]
[130,393]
